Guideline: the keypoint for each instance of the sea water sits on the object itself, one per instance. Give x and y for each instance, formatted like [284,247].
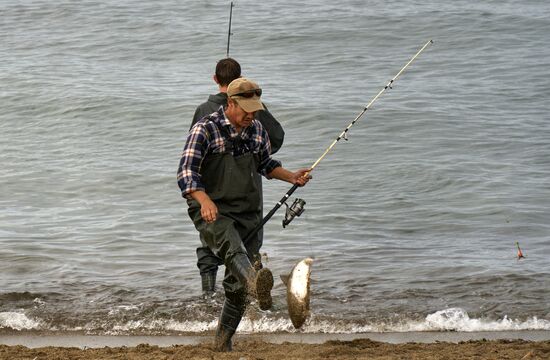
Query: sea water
[412,222]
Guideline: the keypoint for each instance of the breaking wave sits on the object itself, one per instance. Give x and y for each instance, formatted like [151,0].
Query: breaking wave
[17,321]
[453,319]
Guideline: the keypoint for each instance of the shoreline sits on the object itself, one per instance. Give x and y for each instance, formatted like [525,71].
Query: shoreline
[429,346]
[82,341]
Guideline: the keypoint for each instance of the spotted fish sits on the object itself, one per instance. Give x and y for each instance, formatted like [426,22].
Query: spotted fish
[297,292]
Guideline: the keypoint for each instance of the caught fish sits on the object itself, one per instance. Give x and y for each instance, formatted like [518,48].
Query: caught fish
[297,292]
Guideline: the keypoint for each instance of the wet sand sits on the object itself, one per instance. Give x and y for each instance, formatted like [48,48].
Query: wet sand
[485,345]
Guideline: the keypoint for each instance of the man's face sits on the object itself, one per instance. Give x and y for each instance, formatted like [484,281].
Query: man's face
[237,116]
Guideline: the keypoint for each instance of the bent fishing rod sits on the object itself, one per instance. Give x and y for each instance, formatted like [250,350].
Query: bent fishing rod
[229,32]
[297,207]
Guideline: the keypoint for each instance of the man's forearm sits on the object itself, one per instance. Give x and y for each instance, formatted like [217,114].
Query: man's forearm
[200,196]
[283,174]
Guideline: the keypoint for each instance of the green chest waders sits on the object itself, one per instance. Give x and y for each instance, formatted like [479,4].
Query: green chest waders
[231,182]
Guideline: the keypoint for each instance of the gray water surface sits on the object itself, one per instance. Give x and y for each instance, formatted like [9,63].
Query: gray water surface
[413,222]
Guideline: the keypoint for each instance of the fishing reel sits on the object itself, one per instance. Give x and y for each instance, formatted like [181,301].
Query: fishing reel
[296,209]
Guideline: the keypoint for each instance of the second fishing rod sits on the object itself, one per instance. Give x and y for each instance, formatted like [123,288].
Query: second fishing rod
[297,208]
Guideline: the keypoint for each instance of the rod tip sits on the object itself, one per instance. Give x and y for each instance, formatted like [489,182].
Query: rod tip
[431,41]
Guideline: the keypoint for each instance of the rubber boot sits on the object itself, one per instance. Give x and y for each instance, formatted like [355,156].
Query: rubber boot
[258,283]
[229,321]
[208,282]
[223,341]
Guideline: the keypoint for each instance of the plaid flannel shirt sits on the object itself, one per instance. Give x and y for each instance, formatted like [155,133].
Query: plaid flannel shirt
[206,138]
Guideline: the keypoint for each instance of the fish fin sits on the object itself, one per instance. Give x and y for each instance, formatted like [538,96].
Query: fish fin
[284,278]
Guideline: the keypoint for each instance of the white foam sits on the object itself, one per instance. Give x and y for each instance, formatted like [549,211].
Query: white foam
[39,302]
[248,325]
[17,321]
[457,319]
[163,325]
[123,308]
[452,319]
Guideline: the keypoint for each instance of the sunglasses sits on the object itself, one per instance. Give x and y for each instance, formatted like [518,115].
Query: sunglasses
[250,93]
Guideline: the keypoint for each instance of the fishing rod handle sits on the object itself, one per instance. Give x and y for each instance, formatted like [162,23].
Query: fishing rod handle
[272,212]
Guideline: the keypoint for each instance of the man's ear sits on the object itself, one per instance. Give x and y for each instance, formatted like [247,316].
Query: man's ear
[231,104]
[215,78]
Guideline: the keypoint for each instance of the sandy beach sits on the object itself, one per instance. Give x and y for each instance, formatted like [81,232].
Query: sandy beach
[494,345]
[249,349]
[427,216]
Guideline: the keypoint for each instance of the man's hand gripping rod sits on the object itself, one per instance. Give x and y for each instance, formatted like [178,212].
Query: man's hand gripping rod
[342,135]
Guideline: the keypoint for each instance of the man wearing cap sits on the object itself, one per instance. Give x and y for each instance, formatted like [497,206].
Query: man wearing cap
[227,70]
[224,155]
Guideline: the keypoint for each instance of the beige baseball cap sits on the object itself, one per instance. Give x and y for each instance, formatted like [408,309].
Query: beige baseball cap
[246,93]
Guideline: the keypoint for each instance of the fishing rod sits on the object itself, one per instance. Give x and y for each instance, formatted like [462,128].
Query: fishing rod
[297,207]
[229,32]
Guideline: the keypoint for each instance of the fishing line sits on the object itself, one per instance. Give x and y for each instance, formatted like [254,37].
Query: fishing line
[311,248]
[296,208]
